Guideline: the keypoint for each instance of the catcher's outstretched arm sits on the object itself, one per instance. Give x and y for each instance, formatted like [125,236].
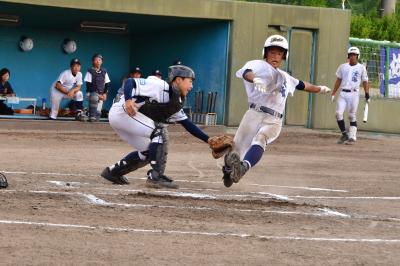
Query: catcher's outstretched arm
[194,130]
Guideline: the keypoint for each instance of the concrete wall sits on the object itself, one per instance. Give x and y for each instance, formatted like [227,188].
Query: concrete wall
[249,29]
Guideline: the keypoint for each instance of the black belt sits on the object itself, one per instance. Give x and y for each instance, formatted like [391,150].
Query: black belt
[348,90]
[265,109]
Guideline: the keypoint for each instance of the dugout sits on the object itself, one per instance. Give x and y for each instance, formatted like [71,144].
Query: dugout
[215,37]
[152,42]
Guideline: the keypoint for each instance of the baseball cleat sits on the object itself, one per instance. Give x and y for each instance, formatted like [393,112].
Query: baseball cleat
[160,182]
[120,180]
[3,181]
[343,138]
[227,177]
[238,168]
[350,142]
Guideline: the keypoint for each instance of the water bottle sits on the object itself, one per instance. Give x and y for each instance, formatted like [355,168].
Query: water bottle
[43,103]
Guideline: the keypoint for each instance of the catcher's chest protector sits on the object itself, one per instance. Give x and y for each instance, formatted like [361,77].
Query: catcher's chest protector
[160,112]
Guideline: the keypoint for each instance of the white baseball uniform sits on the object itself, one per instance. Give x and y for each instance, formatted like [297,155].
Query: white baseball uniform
[352,77]
[68,81]
[257,127]
[137,130]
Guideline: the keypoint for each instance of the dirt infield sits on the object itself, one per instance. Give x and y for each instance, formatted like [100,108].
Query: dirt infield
[309,201]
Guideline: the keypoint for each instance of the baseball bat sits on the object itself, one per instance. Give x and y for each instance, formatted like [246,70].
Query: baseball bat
[365,119]
[214,102]
[201,102]
[208,102]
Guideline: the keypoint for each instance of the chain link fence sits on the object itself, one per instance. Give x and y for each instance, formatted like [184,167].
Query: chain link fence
[382,60]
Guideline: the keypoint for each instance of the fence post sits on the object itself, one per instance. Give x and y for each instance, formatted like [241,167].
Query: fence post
[387,61]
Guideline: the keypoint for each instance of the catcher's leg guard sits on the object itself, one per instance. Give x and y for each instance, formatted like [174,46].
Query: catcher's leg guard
[93,103]
[3,181]
[158,160]
[115,173]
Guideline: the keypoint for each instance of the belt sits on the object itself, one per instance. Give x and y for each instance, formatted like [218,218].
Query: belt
[265,109]
[345,90]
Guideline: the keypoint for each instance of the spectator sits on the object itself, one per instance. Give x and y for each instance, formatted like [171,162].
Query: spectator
[5,90]
[68,86]
[156,74]
[97,86]
[177,62]
[136,73]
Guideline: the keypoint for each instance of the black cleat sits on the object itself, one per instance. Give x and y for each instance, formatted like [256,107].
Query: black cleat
[343,138]
[228,182]
[160,182]
[120,180]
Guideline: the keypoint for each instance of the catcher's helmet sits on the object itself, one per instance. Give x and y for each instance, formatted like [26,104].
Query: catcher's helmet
[276,41]
[180,71]
[353,50]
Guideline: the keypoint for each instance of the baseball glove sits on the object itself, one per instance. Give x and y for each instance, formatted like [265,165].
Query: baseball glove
[3,181]
[220,145]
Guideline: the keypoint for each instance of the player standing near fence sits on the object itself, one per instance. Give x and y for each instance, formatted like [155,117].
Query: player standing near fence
[349,77]
[267,88]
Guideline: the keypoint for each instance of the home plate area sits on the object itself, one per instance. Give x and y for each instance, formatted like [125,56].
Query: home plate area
[306,201]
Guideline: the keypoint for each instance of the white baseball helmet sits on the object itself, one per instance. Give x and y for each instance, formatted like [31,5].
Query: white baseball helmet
[354,50]
[277,41]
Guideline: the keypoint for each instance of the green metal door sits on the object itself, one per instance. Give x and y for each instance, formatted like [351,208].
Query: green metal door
[300,65]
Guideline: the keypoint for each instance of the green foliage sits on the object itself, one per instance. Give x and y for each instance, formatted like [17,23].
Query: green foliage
[365,19]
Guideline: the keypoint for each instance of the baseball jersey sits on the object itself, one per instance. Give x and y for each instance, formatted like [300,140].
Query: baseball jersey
[279,85]
[351,76]
[68,80]
[154,90]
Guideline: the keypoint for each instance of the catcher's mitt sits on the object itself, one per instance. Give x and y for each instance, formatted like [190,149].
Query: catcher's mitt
[220,145]
[3,181]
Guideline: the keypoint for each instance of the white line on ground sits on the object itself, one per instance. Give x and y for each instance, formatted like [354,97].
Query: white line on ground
[348,197]
[92,199]
[201,233]
[186,181]
[190,164]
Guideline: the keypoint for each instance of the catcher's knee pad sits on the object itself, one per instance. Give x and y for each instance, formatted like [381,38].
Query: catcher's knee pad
[78,96]
[159,134]
[339,116]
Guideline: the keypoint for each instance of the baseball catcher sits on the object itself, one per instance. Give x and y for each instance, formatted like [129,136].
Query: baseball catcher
[139,118]
[3,181]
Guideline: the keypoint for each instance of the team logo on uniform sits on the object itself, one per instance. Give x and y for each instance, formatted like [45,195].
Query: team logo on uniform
[283,89]
[142,81]
[354,76]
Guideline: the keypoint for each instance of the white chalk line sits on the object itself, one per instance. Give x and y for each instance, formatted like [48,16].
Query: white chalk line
[347,197]
[92,199]
[200,233]
[190,164]
[187,181]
